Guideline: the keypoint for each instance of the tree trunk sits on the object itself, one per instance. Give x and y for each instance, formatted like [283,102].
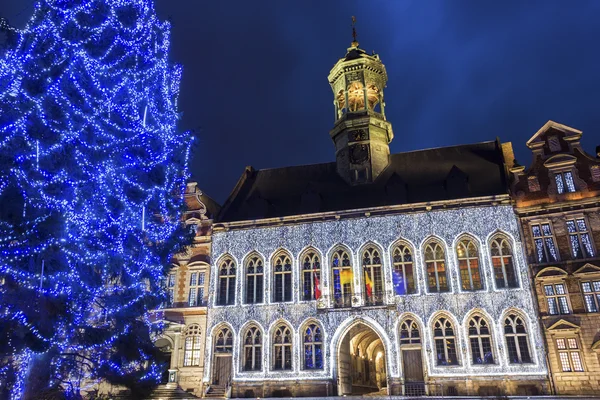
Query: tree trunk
[38,376]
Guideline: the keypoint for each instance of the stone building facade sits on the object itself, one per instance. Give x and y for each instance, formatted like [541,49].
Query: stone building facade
[185,313]
[391,273]
[557,200]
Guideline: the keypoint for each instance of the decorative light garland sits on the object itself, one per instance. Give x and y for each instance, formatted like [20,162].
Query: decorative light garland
[89,144]
[447,226]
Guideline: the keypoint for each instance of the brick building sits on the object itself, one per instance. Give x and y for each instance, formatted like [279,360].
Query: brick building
[557,200]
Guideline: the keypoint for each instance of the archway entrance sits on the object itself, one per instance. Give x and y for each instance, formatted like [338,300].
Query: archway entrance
[164,357]
[361,362]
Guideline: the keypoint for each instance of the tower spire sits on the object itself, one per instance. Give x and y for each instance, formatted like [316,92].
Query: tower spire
[354,42]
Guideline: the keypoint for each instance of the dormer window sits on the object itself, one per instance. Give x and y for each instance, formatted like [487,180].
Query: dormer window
[564,182]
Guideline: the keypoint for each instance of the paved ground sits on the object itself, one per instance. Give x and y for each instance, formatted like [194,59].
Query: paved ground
[437,398]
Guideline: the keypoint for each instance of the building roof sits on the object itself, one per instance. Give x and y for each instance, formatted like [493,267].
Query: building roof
[444,173]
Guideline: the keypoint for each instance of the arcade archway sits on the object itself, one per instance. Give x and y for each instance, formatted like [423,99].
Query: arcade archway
[361,362]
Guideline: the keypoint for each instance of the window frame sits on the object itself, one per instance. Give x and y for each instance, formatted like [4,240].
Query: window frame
[371,270]
[230,298]
[402,265]
[557,296]
[411,325]
[253,330]
[444,338]
[345,294]
[199,287]
[594,293]
[313,325]
[481,321]
[254,260]
[193,332]
[515,335]
[568,351]
[225,347]
[467,258]
[311,257]
[561,176]
[499,239]
[545,239]
[578,234]
[436,262]
[282,327]
[281,256]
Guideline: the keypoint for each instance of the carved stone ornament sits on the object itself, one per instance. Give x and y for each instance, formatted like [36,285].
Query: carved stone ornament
[358,135]
[359,153]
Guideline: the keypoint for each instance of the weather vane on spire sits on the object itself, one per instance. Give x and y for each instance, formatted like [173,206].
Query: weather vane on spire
[354,42]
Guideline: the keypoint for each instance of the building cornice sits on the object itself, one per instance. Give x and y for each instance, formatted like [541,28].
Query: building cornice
[503,199]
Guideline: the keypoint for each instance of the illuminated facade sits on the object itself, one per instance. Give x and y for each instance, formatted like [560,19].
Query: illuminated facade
[557,202]
[391,273]
[183,340]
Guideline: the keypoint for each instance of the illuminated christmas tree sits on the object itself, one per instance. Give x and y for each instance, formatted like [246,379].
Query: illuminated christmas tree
[91,171]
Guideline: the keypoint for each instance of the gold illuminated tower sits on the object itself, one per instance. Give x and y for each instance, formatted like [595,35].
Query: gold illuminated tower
[361,133]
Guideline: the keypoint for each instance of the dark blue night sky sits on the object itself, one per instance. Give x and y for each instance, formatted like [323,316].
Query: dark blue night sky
[255,74]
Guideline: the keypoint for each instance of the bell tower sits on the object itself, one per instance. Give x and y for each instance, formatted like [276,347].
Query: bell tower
[361,133]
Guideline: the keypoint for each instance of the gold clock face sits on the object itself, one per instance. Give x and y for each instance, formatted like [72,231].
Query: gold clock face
[359,153]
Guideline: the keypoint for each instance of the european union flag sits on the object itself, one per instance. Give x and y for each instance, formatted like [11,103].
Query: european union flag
[398,281]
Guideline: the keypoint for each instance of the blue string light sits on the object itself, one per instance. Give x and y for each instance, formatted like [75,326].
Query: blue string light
[92,172]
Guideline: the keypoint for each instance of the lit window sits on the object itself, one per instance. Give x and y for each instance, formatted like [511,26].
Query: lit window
[313,347]
[502,260]
[342,279]
[557,299]
[435,260]
[591,295]
[282,348]
[515,333]
[579,236]
[409,332]
[373,276]
[480,339]
[252,349]
[543,239]
[468,265]
[564,182]
[311,276]
[227,283]
[196,291]
[254,280]
[404,270]
[282,278]
[191,354]
[570,357]
[445,342]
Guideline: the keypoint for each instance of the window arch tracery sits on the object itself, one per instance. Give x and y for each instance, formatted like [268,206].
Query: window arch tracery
[409,332]
[313,346]
[435,261]
[254,279]
[282,348]
[252,349]
[403,273]
[311,275]
[480,340]
[517,342]
[468,264]
[445,341]
[227,282]
[192,344]
[341,271]
[282,278]
[373,275]
[503,263]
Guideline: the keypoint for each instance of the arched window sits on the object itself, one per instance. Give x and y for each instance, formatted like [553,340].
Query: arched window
[373,276]
[502,260]
[252,349]
[254,280]
[313,347]
[311,276]
[445,342]
[282,281]
[282,348]
[227,282]
[342,278]
[191,351]
[404,278]
[224,341]
[480,338]
[435,259]
[516,340]
[409,332]
[468,264]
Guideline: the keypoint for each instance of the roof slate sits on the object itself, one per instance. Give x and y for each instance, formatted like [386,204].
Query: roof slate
[444,173]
